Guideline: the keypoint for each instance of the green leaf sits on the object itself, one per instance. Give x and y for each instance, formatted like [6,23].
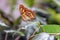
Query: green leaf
[51,11]
[58,37]
[16,22]
[12,2]
[48,1]
[3,27]
[21,33]
[51,28]
[29,2]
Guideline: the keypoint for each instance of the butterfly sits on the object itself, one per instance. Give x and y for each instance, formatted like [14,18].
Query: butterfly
[26,14]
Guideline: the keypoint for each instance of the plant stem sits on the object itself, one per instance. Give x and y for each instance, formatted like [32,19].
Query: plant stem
[6,36]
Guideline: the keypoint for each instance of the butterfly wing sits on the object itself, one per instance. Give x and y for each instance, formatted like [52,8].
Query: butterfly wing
[26,14]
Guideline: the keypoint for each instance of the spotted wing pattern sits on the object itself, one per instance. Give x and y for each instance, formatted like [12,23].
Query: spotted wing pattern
[26,14]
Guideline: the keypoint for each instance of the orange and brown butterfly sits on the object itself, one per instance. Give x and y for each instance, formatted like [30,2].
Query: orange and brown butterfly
[26,14]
